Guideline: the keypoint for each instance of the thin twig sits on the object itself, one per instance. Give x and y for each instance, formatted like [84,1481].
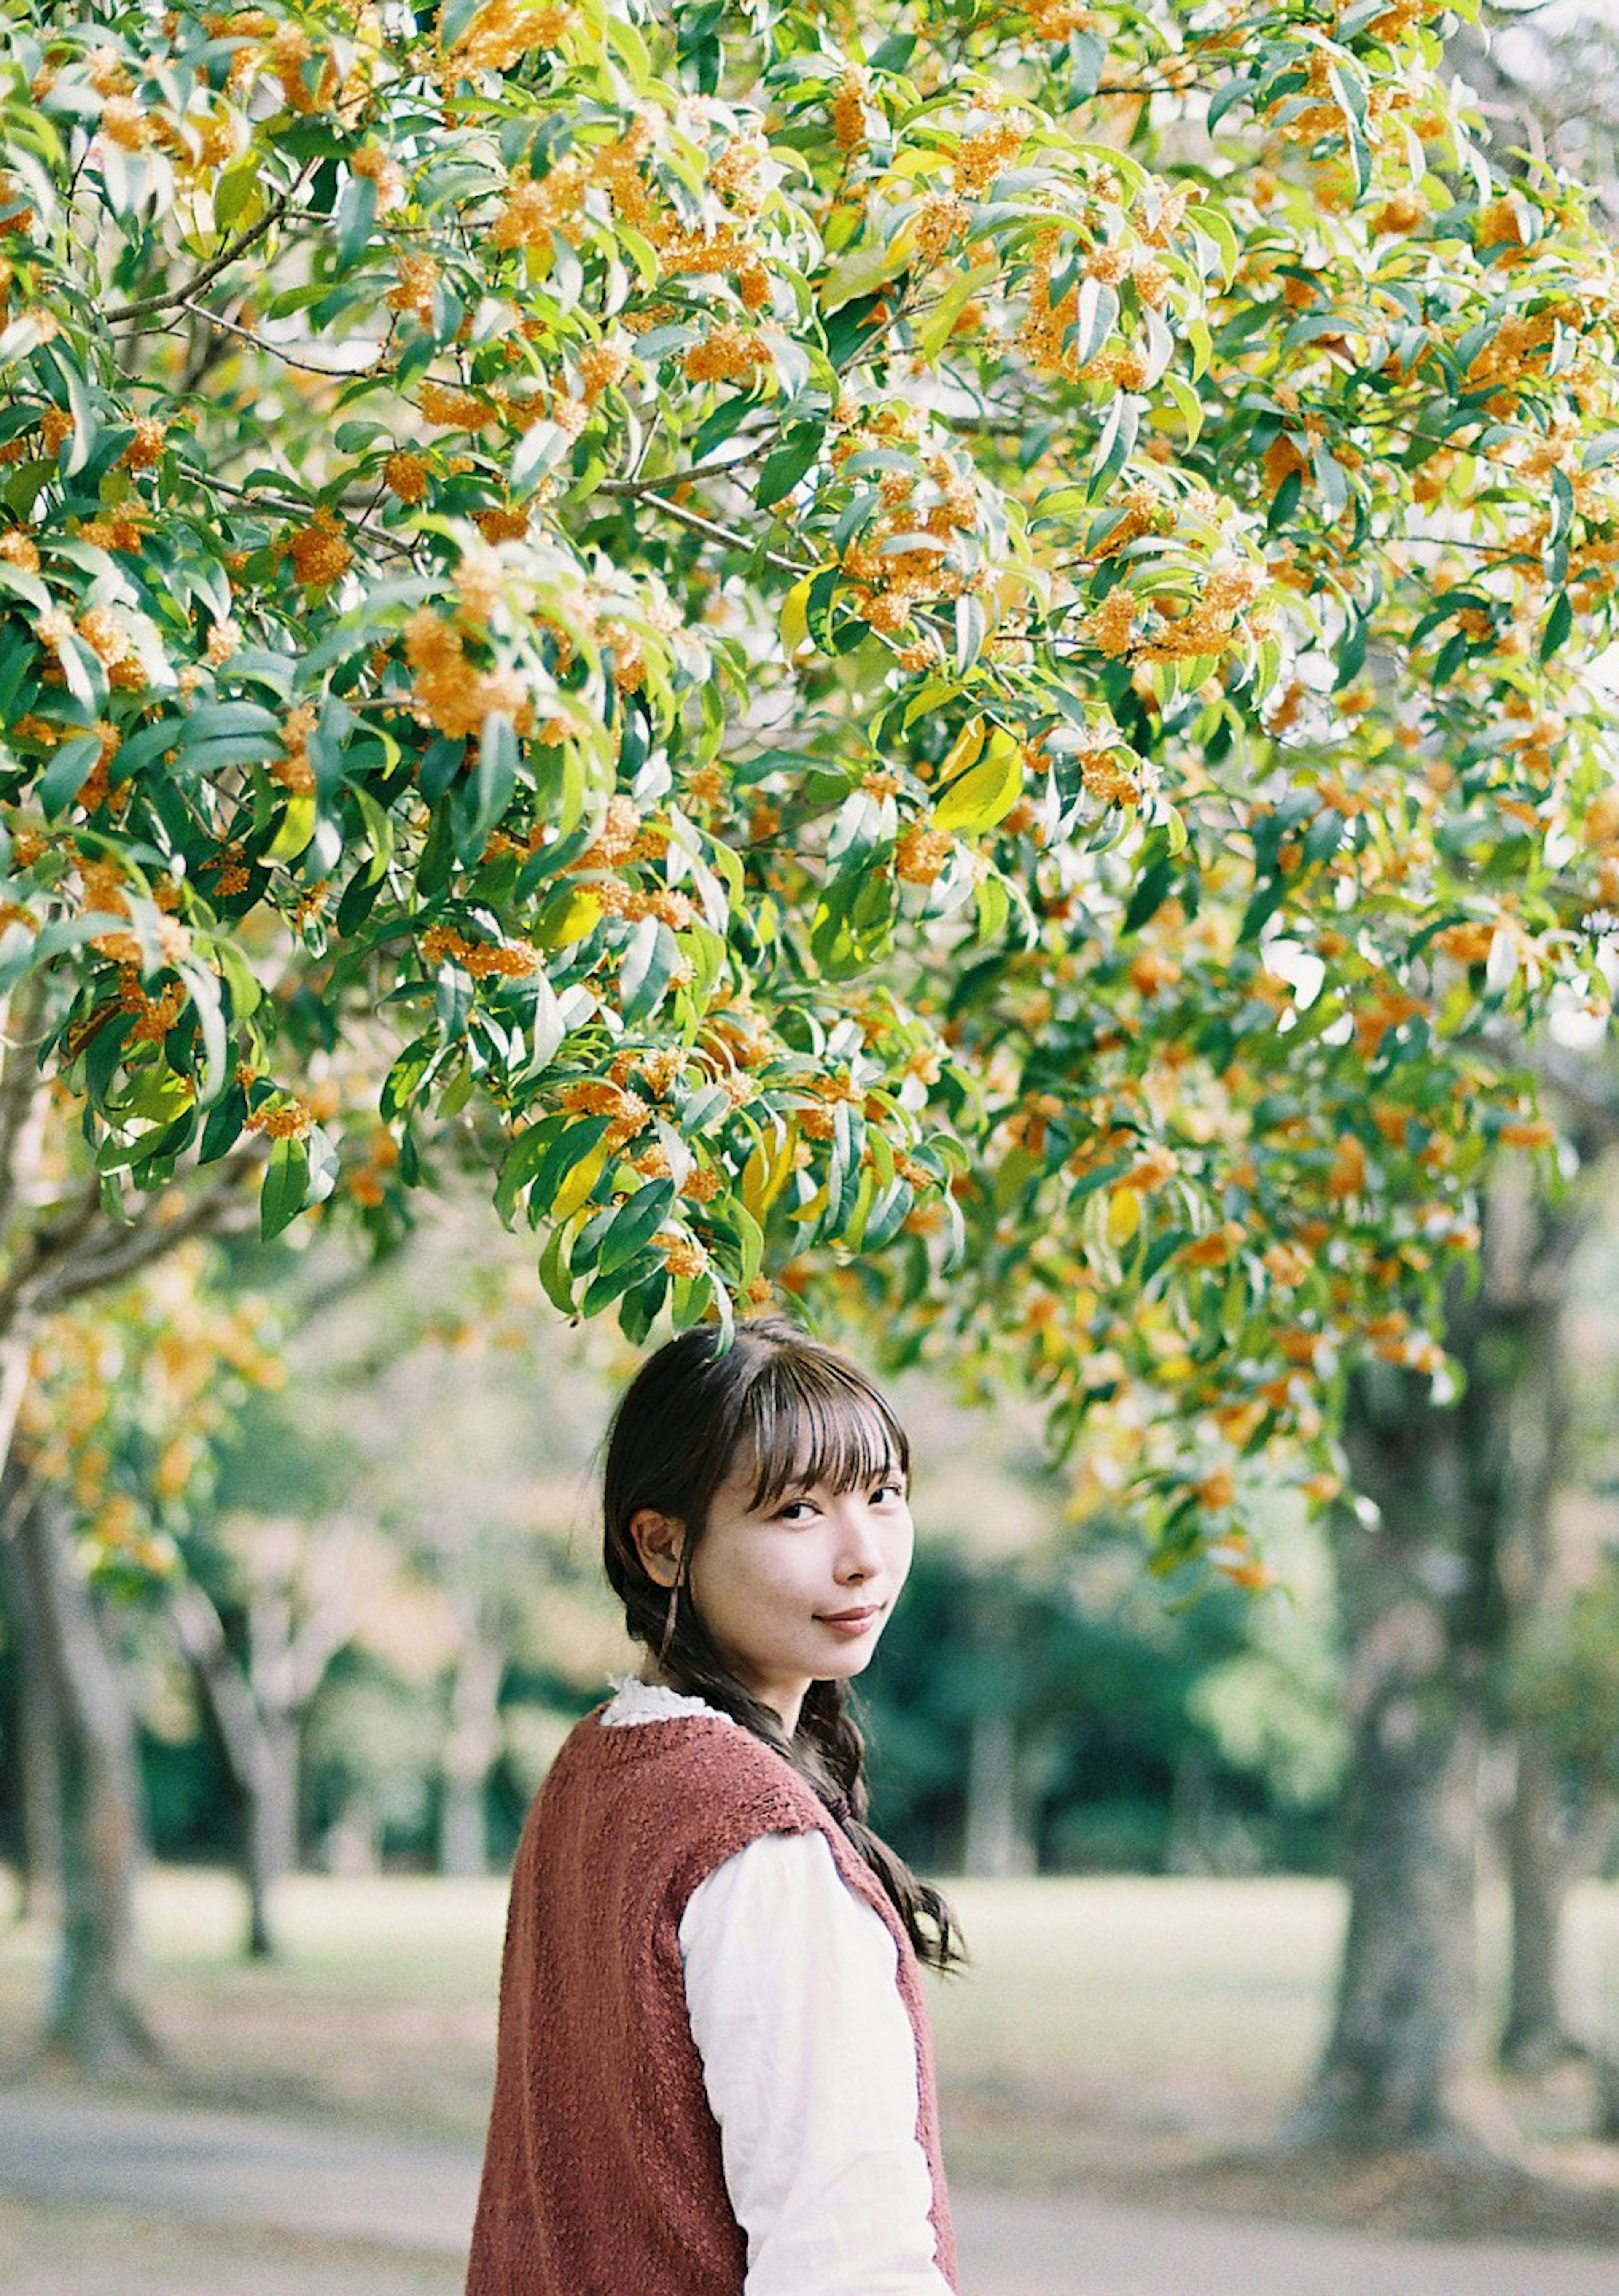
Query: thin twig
[261,343]
[717,533]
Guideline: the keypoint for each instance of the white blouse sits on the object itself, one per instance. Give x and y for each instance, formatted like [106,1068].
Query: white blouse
[809,2060]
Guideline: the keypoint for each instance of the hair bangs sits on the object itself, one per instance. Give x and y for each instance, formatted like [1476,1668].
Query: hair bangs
[812,1419]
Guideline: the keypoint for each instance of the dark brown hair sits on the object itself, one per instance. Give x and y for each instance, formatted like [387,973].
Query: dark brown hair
[798,1412]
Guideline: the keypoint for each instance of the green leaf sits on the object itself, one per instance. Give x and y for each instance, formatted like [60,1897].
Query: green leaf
[355,220]
[67,774]
[649,964]
[1559,622]
[286,1183]
[1096,317]
[634,1224]
[800,444]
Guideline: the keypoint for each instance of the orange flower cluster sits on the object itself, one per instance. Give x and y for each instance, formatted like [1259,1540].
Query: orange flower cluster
[483,960]
[229,870]
[615,841]
[449,690]
[536,206]
[683,1255]
[1056,20]
[450,409]
[729,353]
[1107,779]
[418,275]
[677,910]
[499,524]
[986,153]
[146,450]
[154,1015]
[888,587]
[1469,944]
[1043,334]
[1144,512]
[284,1118]
[97,790]
[108,636]
[380,167]
[600,1096]
[320,551]
[503,31]
[292,771]
[848,111]
[660,1068]
[921,854]
[404,475]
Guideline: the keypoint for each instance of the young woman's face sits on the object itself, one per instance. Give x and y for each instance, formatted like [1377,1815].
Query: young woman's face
[798,1591]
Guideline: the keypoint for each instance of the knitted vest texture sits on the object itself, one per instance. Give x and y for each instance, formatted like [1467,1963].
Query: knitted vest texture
[602,2173]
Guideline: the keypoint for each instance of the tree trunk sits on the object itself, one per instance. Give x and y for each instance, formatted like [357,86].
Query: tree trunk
[254,1759]
[999,1839]
[1459,1492]
[94,2016]
[1535,2036]
[1402,2066]
[39,1743]
[273,1837]
[470,1748]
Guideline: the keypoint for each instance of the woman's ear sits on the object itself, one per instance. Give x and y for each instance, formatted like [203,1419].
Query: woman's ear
[659,1540]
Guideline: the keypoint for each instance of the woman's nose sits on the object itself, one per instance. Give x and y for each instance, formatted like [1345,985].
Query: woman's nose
[860,1556]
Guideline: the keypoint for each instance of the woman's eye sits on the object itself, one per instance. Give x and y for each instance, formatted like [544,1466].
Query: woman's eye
[889,1491]
[795,1511]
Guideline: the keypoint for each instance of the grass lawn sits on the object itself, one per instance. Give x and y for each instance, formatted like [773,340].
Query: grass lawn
[1101,2018]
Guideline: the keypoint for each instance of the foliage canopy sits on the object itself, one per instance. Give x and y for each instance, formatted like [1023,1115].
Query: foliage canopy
[929,648]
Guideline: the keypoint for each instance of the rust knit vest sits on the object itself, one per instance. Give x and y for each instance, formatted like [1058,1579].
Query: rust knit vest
[602,2176]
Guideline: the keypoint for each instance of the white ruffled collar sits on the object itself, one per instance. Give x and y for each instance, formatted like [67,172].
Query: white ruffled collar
[635,1701]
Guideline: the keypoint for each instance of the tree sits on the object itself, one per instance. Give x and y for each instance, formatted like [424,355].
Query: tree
[110,1456]
[926,653]
[860,629]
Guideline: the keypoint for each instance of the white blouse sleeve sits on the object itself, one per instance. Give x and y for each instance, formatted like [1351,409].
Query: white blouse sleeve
[809,2062]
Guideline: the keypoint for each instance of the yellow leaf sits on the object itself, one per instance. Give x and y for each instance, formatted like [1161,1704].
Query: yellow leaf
[568,918]
[297,828]
[963,750]
[795,616]
[987,791]
[1123,1215]
[765,1173]
[577,1187]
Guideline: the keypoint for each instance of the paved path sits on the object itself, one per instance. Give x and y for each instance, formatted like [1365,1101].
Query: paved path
[338,2185]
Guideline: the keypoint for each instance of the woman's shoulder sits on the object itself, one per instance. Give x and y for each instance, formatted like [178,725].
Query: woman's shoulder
[680,1756]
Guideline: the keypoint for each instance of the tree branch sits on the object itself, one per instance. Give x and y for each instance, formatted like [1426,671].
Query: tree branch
[729,535]
[210,271]
[275,351]
[149,1240]
[20,1084]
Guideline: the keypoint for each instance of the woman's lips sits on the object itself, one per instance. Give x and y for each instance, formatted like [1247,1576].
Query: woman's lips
[851,1622]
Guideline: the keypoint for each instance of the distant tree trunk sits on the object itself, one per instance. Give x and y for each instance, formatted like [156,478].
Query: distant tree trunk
[470,1747]
[261,1746]
[1000,1843]
[1426,1620]
[1535,2034]
[94,2016]
[1403,2045]
[39,1738]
